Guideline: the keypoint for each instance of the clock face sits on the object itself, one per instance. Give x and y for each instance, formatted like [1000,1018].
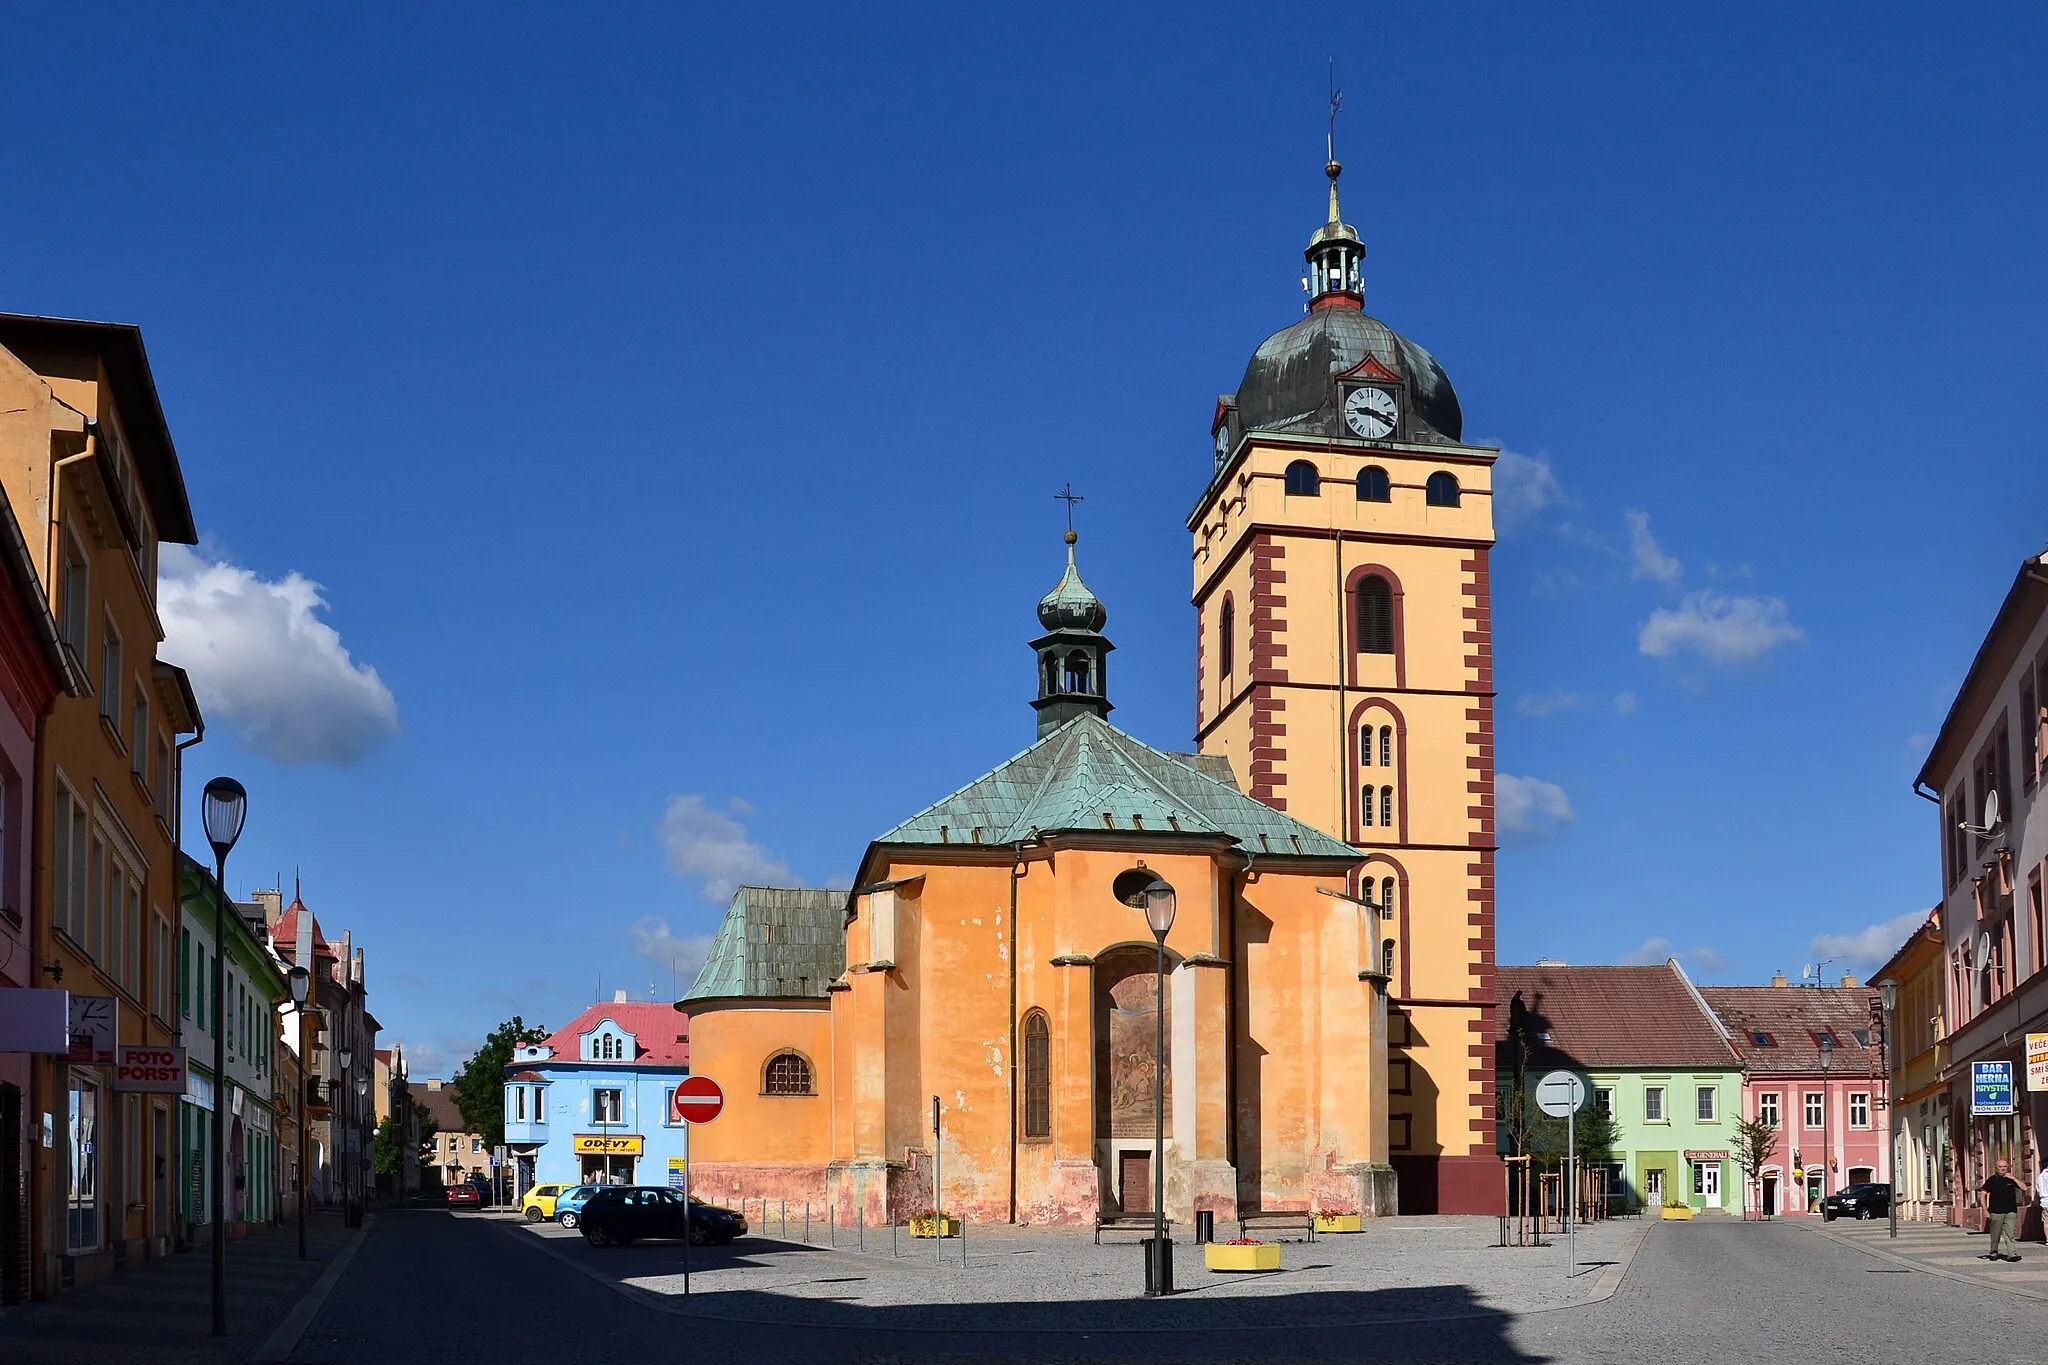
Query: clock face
[1222,443]
[1370,412]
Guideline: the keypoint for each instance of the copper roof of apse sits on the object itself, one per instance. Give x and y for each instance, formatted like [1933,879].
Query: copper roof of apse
[776,942]
[1792,1016]
[1290,384]
[1609,1017]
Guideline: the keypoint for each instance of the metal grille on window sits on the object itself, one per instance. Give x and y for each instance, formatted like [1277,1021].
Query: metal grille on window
[788,1074]
[1375,615]
[1037,1075]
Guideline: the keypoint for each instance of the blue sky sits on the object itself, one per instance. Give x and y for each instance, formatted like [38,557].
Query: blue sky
[667,404]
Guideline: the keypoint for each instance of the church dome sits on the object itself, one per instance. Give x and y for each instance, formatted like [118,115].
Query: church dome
[1070,605]
[1290,384]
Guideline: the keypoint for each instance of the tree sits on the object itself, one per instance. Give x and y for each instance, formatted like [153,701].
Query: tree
[1755,1140]
[480,1085]
[389,1156]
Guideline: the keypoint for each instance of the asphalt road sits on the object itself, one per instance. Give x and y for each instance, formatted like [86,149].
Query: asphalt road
[444,1289]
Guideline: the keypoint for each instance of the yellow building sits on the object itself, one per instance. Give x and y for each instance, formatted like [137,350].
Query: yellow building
[1345,668]
[87,462]
[993,961]
[1918,1113]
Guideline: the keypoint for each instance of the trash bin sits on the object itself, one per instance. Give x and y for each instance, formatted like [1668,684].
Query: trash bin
[1205,1225]
[1158,1265]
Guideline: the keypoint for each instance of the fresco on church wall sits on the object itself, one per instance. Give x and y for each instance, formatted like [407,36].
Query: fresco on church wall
[1133,1038]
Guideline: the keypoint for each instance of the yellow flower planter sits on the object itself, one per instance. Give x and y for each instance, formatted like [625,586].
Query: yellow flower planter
[1259,1256]
[1678,1213]
[1337,1222]
[922,1226]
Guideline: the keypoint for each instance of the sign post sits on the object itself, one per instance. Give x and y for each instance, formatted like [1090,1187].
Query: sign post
[938,1205]
[1559,1095]
[696,1099]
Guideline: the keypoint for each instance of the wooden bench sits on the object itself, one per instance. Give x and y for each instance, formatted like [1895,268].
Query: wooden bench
[1140,1223]
[1278,1221]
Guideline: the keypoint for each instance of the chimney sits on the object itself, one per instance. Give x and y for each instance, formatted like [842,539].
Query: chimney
[1778,979]
[434,1087]
[1849,981]
[619,997]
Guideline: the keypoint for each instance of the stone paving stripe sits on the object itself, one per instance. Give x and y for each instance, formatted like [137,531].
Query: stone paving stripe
[280,1344]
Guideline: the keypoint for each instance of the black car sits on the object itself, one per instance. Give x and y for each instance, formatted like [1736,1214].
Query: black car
[1857,1201]
[621,1214]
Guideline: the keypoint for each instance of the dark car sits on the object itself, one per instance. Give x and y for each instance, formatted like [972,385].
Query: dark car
[482,1185]
[621,1214]
[1868,1200]
[464,1196]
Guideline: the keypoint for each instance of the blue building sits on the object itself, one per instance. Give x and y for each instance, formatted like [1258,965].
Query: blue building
[590,1103]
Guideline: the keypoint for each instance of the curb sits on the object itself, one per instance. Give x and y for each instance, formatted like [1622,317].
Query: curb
[280,1344]
[1604,1289]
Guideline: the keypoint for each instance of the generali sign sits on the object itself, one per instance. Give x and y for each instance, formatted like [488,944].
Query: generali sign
[153,1070]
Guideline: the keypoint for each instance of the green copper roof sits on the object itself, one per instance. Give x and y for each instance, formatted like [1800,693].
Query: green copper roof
[776,942]
[1089,775]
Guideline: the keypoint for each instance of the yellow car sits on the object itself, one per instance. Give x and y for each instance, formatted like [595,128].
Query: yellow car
[539,1204]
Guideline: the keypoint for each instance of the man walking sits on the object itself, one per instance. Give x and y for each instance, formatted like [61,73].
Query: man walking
[2002,1202]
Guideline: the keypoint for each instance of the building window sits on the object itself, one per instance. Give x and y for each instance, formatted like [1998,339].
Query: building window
[607,1106]
[71,831]
[1375,615]
[82,1183]
[138,734]
[1653,1104]
[1387,959]
[72,586]
[1303,481]
[1386,898]
[1365,806]
[1037,1075]
[1226,637]
[1442,490]
[1386,746]
[1365,747]
[1859,1110]
[540,1104]
[1387,807]
[2030,733]
[1077,674]
[787,1074]
[476,1145]
[1767,1109]
[110,674]
[1814,1108]
[1603,1099]
[1708,1110]
[1373,485]
[519,1104]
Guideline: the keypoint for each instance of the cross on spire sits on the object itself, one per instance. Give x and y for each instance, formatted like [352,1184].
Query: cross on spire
[1336,103]
[1069,497]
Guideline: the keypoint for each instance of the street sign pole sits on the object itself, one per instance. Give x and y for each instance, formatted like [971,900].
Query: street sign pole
[1559,1095]
[695,1100]
[938,1206]
[686,1208]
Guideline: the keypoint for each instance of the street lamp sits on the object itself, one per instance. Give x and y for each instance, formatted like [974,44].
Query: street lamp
[1159,907]
[223,807]
[337,1130]
[301,982]
[1827,1053]
[1888,991]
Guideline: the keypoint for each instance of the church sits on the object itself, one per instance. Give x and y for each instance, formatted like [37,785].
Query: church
[978,1022]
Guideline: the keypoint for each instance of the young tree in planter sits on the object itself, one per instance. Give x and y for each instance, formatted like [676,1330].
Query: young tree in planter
[1755,1140]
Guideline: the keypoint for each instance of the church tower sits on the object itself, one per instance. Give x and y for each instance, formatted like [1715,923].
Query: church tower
[1073,655]
[1344,665]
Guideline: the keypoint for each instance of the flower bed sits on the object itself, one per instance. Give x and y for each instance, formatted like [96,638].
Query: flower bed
[1677,1212]
[1337,1222]
[1241,1255]
[934,1225]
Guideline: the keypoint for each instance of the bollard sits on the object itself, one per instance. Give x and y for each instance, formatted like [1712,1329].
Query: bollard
[963,1242]
[807,1220]
[892,1235]
[860,1224]
[785,1219]
[832,1224]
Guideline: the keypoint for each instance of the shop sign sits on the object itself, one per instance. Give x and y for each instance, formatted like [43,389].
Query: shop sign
[675,1173]
[610,1144]
[2037,1061]
[1706,1156]
[1990,1089]
[150,1070]
[92,1030]
[35,1020]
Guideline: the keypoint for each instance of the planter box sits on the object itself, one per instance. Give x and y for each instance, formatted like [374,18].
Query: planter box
[935,1227]
[1677,1213]
[1337,1222]
[1259,1256]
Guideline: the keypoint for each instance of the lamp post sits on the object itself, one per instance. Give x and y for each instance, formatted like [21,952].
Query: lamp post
[301,981]
[1827,1102]
[1888,991]
[363,1157]
[223,807]
[339,1127]
[1159,907]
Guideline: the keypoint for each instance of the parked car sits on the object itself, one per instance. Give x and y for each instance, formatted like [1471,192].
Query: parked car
[539,1204]
[1868,1200]
[484,1193]
[463,1195]
[622,1214]
[569,1203]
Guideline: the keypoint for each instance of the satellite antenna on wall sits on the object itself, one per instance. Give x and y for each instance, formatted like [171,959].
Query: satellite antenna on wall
[1990,825]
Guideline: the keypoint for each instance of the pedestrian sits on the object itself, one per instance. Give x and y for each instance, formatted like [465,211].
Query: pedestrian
[2002,1202]
[2041,1200]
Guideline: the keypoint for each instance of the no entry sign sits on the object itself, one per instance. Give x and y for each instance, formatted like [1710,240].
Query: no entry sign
[697,1099]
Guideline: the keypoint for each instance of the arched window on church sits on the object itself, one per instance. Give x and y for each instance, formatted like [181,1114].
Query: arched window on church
[1365,747]
[1387,907]
[788,1073]
[1303,481]
[1387,957]
[1077,673]
[1375,615]
[1386,746]
[1365,807]
[1037,1075]
[1387,807]
[1442,490]
[1052,673]
[1374,486]
[1226,637]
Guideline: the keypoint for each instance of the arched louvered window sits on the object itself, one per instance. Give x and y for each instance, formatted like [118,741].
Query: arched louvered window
[1037,1075]
[1374,486]
[1365,747]
[1387,807]
[1226,637]
[787,1074]
[1387,907]
[1386,746]
[1365,808]
[1303,481]
[1077,673]
[1375,615]
[1387,957]
[1052,673]
[1442,490]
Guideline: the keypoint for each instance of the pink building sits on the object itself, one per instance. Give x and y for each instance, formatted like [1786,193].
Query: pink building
[1813,1067]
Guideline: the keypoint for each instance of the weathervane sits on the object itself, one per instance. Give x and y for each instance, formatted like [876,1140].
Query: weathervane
[1069,497]
[1336,103]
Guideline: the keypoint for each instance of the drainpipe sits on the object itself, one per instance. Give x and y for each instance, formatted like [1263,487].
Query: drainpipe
[1016,875]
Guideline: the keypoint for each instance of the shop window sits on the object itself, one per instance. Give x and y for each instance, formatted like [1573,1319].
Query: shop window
[787,1074]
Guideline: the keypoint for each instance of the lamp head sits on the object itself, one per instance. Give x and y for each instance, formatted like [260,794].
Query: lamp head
[301,981]
[1888,989]
[362,1086]
[224,805]
[1159,908]
[345,1055]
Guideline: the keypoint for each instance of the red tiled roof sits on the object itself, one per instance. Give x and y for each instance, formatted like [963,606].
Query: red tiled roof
[1608,1017]
[662,1033]
[285,937]
[1792,1015]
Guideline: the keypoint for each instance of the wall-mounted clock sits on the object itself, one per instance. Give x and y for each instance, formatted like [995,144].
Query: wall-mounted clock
[1370,412]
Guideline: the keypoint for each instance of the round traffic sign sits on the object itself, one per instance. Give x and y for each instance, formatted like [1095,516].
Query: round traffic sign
[1560,1093]
[697,1100]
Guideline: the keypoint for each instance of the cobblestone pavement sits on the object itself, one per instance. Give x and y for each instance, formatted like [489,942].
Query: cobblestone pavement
[162,1313]
[1955,1253]
[462,1289]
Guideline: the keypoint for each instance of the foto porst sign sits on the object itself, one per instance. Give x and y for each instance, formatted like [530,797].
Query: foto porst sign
[149,1070]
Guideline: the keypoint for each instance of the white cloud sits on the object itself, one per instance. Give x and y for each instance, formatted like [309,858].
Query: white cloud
[1547,703]
[1650,559]
[1868,948]
[1523,485]
[682,956]
[1656,951]
[1727,630]
[1624,703]
[263,660]
[1529,805]
[712,846]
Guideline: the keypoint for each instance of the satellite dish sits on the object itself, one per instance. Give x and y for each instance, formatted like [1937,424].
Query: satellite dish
[1991,810]
[1982,955]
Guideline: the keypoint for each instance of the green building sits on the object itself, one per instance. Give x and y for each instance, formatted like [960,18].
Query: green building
[1657,1061]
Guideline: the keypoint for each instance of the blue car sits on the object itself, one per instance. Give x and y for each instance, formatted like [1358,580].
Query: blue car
[569,1205]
